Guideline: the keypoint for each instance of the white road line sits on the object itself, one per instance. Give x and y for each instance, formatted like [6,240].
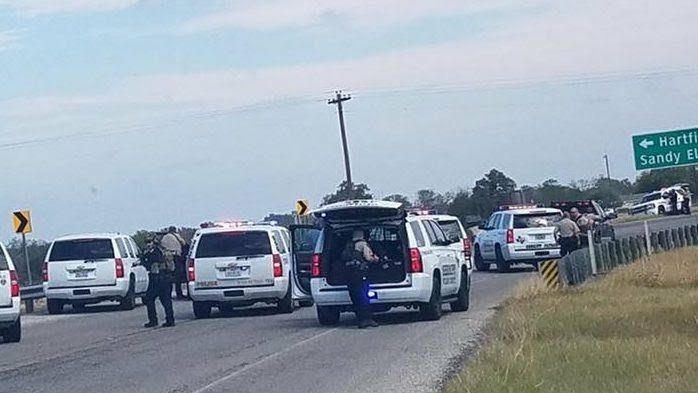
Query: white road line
[257,363]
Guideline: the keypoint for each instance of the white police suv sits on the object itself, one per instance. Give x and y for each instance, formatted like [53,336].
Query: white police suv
[240,264]
[10,321]
[517,234]
[419,269]
[91,268]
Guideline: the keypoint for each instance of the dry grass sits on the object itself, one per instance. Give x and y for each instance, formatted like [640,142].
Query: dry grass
[634,331]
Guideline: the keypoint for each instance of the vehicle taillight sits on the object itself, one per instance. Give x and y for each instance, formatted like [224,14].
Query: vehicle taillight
[416,261]
[467,247]
[14,283]
[510,236]
[278,267]
[316,266]
[119,267]
[191,272]
[44,272]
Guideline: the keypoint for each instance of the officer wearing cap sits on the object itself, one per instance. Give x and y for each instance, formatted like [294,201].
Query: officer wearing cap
[161,268]
[357,256]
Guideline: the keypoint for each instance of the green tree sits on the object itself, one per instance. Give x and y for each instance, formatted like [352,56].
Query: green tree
[360,191]
[36,249]
[399,198]
[430,199]
[491,191]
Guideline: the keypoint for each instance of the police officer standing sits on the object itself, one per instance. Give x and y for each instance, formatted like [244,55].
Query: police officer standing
[357,256]
[173,245]
[160,267]
[567,234]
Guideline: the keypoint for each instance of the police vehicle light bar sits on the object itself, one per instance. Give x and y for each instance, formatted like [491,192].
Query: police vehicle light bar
[517,207]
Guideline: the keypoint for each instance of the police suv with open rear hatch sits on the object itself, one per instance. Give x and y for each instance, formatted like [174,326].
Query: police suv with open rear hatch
[517,234]
[91,268]
[10,321]
[418,269]
[238,264]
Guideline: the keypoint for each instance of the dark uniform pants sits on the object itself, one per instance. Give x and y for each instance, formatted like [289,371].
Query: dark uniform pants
[568,245]
[358,292]
[160,286]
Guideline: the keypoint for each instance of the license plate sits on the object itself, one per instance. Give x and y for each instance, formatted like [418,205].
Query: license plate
[539,237]
[82,274]
[233,273]
[533,246]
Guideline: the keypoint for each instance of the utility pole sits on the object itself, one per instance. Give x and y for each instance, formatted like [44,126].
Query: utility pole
[337,100]
[608,167]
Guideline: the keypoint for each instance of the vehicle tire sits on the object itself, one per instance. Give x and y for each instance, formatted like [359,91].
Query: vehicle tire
[129,301]
[327,316]
[432,311]
[463,301]
[54,306]
[201,310]
[480,264]
[502,265]
[13,334]
[661,210]
[285,305]
[306,303]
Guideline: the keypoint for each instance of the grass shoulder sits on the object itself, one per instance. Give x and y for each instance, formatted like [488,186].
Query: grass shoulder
[635,330]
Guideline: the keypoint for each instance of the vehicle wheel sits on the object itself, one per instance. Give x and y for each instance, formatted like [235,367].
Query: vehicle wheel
[306,303]
[661,210]
[432,311]
[463,301]
[687,209]
[502,265]
[285,305]
[327,316]
[129,301]
[13,334]
[480,264]
[54,306]
[201,310]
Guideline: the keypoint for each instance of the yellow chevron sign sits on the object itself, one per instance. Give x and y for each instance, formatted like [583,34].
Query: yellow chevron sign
[551,273]
[22,221]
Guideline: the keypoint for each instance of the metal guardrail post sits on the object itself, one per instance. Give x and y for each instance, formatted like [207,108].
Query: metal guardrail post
[592,254]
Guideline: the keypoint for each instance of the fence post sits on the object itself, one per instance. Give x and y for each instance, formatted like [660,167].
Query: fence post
[694,233]
[669,239]
[592,253]
[687,236]
[648,238]
[682,240]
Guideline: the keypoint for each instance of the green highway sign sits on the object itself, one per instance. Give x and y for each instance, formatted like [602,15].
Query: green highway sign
[666,149]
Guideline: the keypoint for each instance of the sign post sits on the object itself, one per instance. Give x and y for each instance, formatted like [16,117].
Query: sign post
[666,149]
[22,223]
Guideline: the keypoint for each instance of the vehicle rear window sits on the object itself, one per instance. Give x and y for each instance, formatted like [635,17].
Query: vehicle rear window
[452,229]
[418,236]
[232,244]
[3,261]
[79,249]
[536,220]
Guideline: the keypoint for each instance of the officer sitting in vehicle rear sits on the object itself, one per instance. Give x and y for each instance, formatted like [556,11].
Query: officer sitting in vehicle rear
[357,256]
[161,273]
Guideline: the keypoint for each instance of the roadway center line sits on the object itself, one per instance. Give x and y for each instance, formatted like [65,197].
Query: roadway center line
[263,360]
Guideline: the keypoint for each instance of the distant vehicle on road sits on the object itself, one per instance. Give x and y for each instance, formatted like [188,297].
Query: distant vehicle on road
[420,269]
[240,264]
[91,268]
[517,234]
[659,203]
[602,226]
[10,320]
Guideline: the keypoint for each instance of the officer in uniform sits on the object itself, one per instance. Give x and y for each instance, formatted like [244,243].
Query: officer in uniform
[357,256]
[161,268]
[173,244]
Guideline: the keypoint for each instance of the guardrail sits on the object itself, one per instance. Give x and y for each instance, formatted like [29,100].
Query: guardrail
[583,264]
[29,294]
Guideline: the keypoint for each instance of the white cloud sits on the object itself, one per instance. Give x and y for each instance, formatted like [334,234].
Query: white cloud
[8,39]
[272,14]
[566,43]
[39,7]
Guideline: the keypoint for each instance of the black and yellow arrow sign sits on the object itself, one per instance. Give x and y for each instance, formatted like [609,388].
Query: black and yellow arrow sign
[302,207]
[22,221]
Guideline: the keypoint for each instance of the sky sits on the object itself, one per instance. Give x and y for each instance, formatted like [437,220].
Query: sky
[118,115]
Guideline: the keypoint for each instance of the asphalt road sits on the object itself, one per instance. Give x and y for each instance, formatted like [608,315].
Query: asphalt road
[254,350]
[656,224]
